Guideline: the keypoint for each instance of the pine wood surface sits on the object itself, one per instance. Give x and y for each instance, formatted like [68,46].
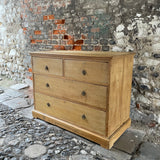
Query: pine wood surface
[94,120]
[90,94]
[47,66]
[95,72]
[102,93]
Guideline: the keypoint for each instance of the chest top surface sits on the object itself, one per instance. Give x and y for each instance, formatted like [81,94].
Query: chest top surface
[71,53]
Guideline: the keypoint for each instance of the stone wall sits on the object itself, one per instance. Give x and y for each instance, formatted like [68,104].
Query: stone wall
[107,25]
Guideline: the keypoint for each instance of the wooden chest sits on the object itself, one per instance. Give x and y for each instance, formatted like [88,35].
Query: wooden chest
[87,93]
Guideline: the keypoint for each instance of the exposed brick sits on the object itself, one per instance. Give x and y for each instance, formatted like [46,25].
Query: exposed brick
[59,31]
[78,42]
[59,47]
[70,42]
[59,21]
[50,17]
[29,69]
[38,41]
[33,41]
[77,48]
[66,37]
[37,32]
[45,18]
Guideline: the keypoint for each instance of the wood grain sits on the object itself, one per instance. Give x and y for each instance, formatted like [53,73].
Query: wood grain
[95,72]
[54,66]
[94,95]
[94,120]
[94,104]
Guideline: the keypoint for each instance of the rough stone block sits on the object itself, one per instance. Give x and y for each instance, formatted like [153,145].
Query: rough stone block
[148,151]
[27,112]
[16,103]
[35,151]
[130,140]
[111,154]
[19,86]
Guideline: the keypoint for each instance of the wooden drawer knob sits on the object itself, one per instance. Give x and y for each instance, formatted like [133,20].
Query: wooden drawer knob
[83,116]
[84,72]
[46,68]
[83,93]
[47,85]
[48,104]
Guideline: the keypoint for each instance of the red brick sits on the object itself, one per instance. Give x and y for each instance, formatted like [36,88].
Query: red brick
[45,18]
[38,41]
[29,69]
[70,41]
[50,17]
[95,30]
[37,32]
[33,41]
[79,42]
[66,37]
[59,31]
[59,47]
[77,48]
[60,21]
[59,26]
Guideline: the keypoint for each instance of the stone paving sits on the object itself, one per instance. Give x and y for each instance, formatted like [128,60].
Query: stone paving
[23,138]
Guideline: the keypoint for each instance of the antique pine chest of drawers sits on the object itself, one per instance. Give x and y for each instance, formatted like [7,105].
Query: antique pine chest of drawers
[87,93]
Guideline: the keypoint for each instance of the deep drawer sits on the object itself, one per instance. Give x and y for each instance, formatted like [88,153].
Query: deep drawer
[93,72]
[90,94]
[47,66]
[80,115]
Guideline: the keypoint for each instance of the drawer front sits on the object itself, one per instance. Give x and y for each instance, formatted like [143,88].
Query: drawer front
[77,91]
[47,66]
[94,72]
[79,115]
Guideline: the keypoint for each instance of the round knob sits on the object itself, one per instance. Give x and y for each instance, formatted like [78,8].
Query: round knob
[84,72]
[83,116]
[46,68]
[83,93]
[48,104]
[47,85]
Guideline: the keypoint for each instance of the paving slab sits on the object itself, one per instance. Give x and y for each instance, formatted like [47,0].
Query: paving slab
[111,154]
[81,157]
[4,97]
[13,93]
[19,86]
[130,140]
[148,151]
[16,103]
[35,151]
[27,112]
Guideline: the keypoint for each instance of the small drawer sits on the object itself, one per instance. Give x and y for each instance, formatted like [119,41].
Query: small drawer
[90,94]
[93,72]
[47,66]
[79,115]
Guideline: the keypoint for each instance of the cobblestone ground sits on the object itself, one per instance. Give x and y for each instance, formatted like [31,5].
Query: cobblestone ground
[22,137]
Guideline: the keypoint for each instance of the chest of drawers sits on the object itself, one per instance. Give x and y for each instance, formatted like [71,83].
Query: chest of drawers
[87,93]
